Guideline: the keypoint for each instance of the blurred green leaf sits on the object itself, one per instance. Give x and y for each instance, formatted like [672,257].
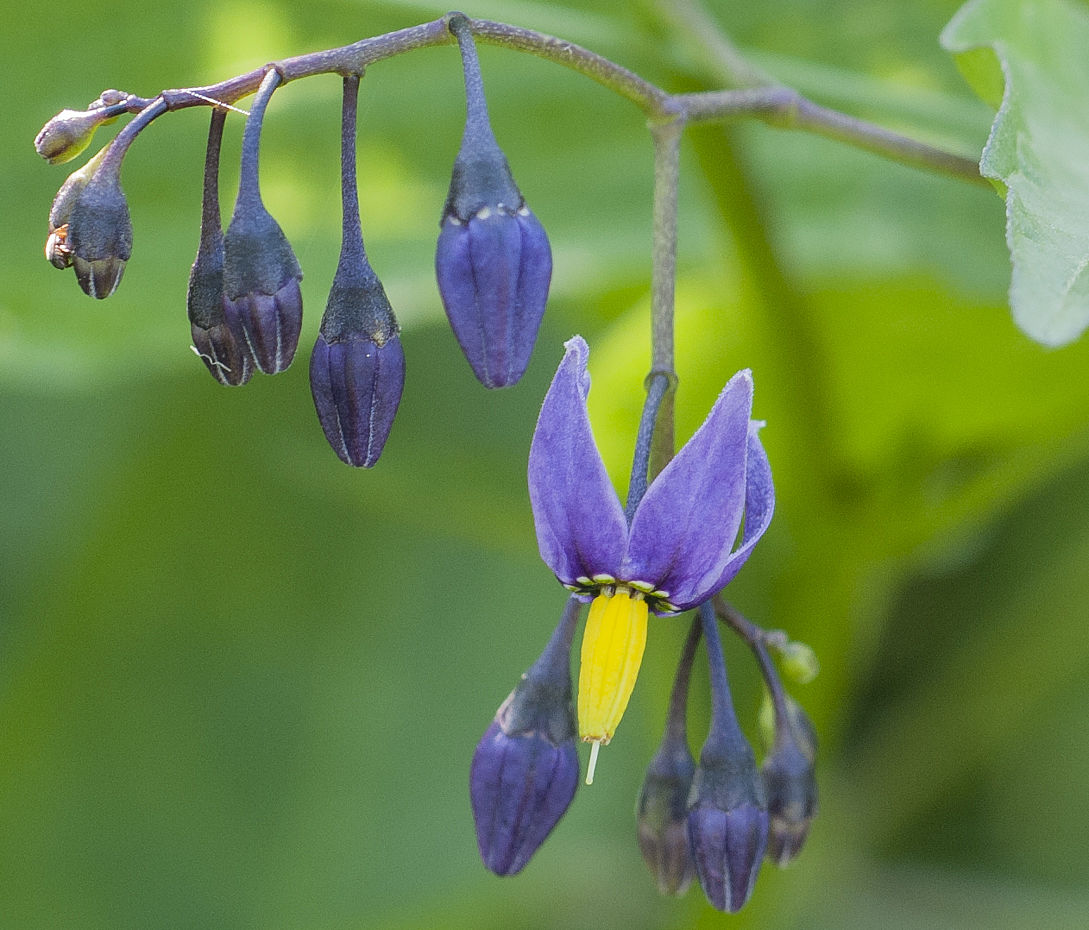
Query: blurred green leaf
[1036,149]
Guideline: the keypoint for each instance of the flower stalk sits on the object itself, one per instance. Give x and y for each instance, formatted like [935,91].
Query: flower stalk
[771,103]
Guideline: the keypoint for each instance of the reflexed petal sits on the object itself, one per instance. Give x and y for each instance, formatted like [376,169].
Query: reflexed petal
[685,526]
[759,506]
[581,529]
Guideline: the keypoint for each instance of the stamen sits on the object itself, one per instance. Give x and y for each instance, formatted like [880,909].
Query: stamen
[612,648]
[594,747]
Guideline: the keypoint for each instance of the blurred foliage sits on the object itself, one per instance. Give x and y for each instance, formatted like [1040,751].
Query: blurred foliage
[240,683]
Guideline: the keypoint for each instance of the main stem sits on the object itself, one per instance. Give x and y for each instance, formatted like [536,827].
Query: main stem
[776,105]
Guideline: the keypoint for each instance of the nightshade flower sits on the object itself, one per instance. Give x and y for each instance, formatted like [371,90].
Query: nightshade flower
[679,548]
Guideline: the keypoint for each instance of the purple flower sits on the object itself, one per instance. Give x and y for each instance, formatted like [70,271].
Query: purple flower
[679,548]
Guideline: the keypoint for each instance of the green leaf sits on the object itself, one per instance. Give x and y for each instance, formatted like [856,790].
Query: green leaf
[1036,149]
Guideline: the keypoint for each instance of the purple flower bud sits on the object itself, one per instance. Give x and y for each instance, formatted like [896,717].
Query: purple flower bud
[791,784]
[662,812]
[662,817]
[99,235]
[261,284]
[357,370]
[525,768]
[260,274]
[727,846]
[356,383]
[493,261]
[493,267]
[228,360]
[727,812]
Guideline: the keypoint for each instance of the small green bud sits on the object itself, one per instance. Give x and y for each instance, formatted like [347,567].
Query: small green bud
[799,662]
[68,133]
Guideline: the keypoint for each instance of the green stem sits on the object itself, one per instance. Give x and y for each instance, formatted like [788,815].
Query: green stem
[667,160]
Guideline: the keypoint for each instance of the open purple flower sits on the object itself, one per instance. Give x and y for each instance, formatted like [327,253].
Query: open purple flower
[679,548]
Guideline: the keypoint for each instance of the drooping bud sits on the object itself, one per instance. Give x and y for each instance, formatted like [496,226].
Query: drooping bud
[99,236]
[493,261]
[260,273]
[57,249]
[525,768]
[68,133]
[89,224]
[662,812]
[357,369]
[791,783]
[727,815]
[228,360]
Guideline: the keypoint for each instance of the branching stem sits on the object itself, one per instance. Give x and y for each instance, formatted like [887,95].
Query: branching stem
[775,105]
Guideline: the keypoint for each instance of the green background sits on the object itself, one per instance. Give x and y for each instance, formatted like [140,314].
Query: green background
[241,683]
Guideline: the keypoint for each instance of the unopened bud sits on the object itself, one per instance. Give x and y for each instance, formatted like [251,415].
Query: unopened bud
[215,342]
[70,132]
[493,261]
[99,234]
[525,769]
[791,783]
[727,822]
[261,283]
[662,815]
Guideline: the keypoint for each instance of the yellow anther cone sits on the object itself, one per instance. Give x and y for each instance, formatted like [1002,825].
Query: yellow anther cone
[612,650]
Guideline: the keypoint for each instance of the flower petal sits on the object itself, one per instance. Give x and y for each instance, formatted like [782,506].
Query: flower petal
[684,528]
[759,506]
[581,529]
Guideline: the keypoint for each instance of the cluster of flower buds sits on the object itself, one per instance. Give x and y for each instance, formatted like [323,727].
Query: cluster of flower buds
[493,262]
[671,551]
[682,537]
